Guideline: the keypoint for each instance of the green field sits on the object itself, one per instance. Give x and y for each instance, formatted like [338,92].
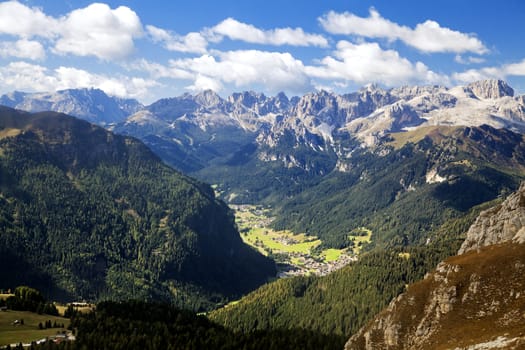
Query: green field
[360,236]
[253,222]
[267,240]
[14,334]
[331,254]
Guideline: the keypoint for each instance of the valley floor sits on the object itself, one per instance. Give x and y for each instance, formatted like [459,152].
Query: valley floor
[296,254]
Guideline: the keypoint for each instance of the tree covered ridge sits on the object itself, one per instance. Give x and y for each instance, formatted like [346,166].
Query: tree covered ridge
[342,302]
[96,215]
[140,325]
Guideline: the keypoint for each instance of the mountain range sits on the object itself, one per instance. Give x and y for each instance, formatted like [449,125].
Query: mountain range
[328,163]
[206,129]
[92,105]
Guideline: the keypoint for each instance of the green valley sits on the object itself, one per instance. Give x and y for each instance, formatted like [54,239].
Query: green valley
[296,254]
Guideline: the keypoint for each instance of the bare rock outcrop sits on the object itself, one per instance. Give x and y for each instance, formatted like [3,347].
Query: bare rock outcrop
[491,89]
[502,223]
[474,300]
[461,305]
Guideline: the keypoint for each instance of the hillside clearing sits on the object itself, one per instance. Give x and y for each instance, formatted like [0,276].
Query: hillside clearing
[11,333]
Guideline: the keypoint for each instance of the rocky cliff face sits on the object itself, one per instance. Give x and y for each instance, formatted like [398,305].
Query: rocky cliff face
[471,301]
[502,223]
[491,89]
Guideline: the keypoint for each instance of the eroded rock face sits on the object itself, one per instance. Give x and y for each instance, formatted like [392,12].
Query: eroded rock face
[491,89]
[461,305]
[475,300]
[502,223]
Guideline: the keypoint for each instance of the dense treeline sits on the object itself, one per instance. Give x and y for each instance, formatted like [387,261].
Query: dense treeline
[139,325]
[88,214]
[29,299]
[345,300]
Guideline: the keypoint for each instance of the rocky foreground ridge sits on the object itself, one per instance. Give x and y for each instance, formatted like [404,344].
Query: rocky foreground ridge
[475,300]
[502,223]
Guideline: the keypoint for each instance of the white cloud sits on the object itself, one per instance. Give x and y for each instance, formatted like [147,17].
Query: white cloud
[468,60]
[374,26]
[271,71]
[426,37]
[98,30]
[236,30]
[30,77]
[470,76]
[498,72]
[159,71]
[26,77]
[367,62]
[202,83]
[19,20]
[23,48]
[516,69]
[192,42]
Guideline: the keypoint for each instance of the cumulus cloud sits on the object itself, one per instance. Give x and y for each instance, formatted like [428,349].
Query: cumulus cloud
[23,48]
[367,62]
[98,30]
[516,69]
[192,42]
[158,71]
[23,21]
[273,71]
[25,76]
[202,83]
[236,30]
[31,77]
[428,36]
[498,72]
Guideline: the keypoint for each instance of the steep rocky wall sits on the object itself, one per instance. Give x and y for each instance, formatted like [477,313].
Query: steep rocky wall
[472,301]
[475,300]
[502,223]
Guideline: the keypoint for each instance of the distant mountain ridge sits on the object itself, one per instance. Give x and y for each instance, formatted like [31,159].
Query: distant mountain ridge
[207,128]
[92,105]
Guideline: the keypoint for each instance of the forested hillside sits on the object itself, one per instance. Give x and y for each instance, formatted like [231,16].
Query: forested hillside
[342,302]
[139,325]
[89,214]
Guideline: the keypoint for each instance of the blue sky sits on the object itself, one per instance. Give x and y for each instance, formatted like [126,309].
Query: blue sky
[153,49]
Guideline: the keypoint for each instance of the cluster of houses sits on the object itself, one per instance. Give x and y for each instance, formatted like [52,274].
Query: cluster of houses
[60,337]
[309,266]
[295,263]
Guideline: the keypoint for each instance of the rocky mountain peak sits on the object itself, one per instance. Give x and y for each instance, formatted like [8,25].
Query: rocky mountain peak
[315,103]
[208,98]
[247,98]
[502,223]
[491,89]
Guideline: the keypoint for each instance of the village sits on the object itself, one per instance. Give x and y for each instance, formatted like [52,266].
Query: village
[295,254]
